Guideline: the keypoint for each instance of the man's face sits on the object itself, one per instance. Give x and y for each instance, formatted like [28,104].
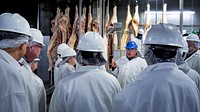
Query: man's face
[33,52]
[131,52]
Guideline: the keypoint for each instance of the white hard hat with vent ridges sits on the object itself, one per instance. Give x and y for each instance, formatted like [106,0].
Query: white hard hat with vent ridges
[164,34]
[14,23]
[91,41]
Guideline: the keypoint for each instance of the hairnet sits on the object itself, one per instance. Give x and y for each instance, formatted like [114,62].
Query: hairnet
[32,43]
[158,54]
[180,57]
[90,58]
[12,40]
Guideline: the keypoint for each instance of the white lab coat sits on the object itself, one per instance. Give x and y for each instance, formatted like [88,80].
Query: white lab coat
[127,71]
[41,94]
[64,70]
[29,77]
[89,89]
[120,63]
[161,87]
[14,96]
[56,70]
[191,73]
[194,61]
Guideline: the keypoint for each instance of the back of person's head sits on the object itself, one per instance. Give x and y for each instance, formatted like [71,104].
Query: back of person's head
[14,30]
[37,37]
[182,54]
[68,52]
[162,43]
[90,49]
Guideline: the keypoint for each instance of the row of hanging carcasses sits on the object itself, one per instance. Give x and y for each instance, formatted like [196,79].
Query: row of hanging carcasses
[64,32]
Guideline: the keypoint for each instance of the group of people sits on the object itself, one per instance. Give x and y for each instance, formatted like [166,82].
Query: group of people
[20,45]
[166,79]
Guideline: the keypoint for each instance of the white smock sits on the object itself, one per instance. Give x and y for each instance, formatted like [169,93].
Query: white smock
[41,94]
[190,73]
[56,70]
[13,94]
[64,70]
[161,87]
[131,70]
[31,85]
[194,61]
[120,63]
[89,89]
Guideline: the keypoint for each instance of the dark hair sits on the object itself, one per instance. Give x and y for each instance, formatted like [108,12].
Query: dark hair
[164,52]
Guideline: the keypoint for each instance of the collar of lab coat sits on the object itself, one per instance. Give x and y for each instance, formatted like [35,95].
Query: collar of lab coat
[9,59]
[196,53]
[89,68]
[156,67]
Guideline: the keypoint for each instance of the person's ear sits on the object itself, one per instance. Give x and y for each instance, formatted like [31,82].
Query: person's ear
[23,46]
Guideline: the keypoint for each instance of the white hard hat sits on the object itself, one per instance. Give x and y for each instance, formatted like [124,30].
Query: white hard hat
[14,23]
[141,31]
[37,36]
[193,37]
[184,32]
[61,47]
[164,34]
[91,41]
[185,46]
[67,52]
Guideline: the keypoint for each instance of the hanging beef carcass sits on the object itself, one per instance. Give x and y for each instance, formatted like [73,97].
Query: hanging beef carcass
[164,14]
[135,21]
[106,19]
[89,24]
[148,24]
[73,40]
[55,21]
[105,37]
[96,22]
[55,39]
[65,26]
[112,21]
[126,28]
[112,38]
[83,21]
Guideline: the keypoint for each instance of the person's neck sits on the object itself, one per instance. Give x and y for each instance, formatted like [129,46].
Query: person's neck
[13,52]
[130,58]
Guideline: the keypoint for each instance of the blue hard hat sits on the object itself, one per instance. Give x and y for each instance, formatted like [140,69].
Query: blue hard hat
[131,45]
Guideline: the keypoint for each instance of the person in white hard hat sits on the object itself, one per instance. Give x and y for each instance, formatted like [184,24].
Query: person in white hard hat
[40,89]
[59,59]
[90,88]
[182,65]
[14,36]
[67,66]
[161,87]
[32,52]
[193,56]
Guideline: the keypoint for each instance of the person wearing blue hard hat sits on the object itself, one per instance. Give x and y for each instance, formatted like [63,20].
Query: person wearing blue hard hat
[128,67]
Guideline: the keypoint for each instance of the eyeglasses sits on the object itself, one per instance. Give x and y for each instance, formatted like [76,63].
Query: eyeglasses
[38,45]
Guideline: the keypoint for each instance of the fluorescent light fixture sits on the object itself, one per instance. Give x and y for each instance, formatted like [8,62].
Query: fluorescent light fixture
[171,12]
